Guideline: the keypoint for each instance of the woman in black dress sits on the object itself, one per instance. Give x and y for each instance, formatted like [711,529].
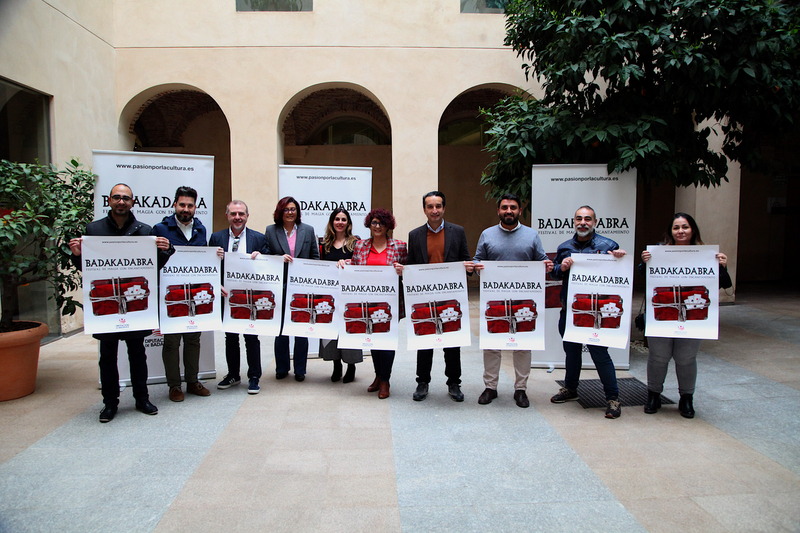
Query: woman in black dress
[338,244]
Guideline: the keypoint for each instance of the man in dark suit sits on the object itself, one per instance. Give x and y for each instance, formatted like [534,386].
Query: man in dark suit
[437,241]
[291,238]
[238,238]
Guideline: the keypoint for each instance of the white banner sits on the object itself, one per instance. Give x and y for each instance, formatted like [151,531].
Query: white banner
[599,300]
[682,292]
[320,190]
[255,290]
[437,306]
[120,281]
[154,178]
[312,294]
[368,307]
[558,191]
[190,291]
[512,305]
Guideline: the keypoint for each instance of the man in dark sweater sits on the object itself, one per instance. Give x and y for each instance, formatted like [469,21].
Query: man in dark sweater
[120,222]
[585,241]
[437,241]
[182,229]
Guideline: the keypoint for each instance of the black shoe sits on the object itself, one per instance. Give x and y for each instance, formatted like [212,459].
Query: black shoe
[685,406]
[299,377]
[521,398]
[229,382]
[421,393]
[487,396]
[350,374]
[107,414]
[455,393]
[337,371]
[653,402]
[281,375]
[144,406]
[253,387]
[613,408]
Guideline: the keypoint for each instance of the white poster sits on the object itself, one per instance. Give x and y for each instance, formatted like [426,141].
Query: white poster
[190,291]
[368,307]
[312,295]
[437,306]
[154,178]
[599,300]
[558,191]
[120,281]
[320,190]
[512,305]
[682,292]
[255,289]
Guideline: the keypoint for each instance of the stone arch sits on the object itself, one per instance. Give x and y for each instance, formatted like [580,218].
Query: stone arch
[182,119]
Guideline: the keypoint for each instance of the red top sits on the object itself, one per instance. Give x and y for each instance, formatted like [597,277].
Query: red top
[377,259]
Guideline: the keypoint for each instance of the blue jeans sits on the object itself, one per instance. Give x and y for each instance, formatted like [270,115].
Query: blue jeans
[282,355]
[233,355]
[602,363]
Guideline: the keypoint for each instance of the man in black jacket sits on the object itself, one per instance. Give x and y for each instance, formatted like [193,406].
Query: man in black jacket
[241,239]
[437,241]
[120,222]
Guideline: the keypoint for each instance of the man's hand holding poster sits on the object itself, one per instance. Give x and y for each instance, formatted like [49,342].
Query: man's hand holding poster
[190,291]
[512,305]
[312,295]
[255,290]
[599,300]
[369,307]
[120,277]
[437,306]
[682,297]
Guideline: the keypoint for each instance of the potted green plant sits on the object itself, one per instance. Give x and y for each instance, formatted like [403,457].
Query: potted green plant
[41,208]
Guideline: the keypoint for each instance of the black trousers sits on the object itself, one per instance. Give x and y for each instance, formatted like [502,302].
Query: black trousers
[233,356]
[109,373]
[452,365]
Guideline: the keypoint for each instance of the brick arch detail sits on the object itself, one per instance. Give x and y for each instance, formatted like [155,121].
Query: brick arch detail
[163,119]
[321,106]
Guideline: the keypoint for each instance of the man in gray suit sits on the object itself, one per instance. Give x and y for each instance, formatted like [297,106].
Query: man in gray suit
[437,241]
[238,238]
[291,238]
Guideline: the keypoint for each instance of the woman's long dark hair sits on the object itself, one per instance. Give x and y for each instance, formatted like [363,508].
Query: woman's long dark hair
[330,233]
[696,239]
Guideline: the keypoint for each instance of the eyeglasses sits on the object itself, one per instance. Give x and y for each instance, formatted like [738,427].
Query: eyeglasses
[235,247]
[290,210]
[121,198]
[376,224]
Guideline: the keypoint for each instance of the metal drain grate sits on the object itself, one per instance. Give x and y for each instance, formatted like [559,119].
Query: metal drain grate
[631,392]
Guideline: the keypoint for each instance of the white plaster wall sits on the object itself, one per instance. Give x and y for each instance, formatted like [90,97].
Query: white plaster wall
[63,48]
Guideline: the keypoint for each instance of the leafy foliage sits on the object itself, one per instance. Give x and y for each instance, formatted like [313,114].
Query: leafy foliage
[40,210]
[645,84]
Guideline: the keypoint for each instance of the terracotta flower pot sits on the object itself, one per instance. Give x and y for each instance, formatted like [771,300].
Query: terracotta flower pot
[19,360]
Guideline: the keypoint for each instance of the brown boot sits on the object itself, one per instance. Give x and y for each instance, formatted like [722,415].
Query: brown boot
[375,385]
[384,392]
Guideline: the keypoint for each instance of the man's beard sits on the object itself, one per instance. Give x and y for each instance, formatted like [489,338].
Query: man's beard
[510,219]
[184,217]
[584,232]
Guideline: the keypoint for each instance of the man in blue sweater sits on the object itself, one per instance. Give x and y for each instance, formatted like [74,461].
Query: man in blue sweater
[508,241]
[182,229]
[585,241]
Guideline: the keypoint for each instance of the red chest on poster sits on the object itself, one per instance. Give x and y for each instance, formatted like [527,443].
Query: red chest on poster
[119,295]
[189,299]
[312,308]
[597,311]
[248,304]
[510,316]
[435,318]
[367,317]
[680,303]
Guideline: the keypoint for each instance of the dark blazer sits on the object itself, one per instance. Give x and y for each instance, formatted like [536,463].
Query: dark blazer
[455,244]
[306,245]
[256,242]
